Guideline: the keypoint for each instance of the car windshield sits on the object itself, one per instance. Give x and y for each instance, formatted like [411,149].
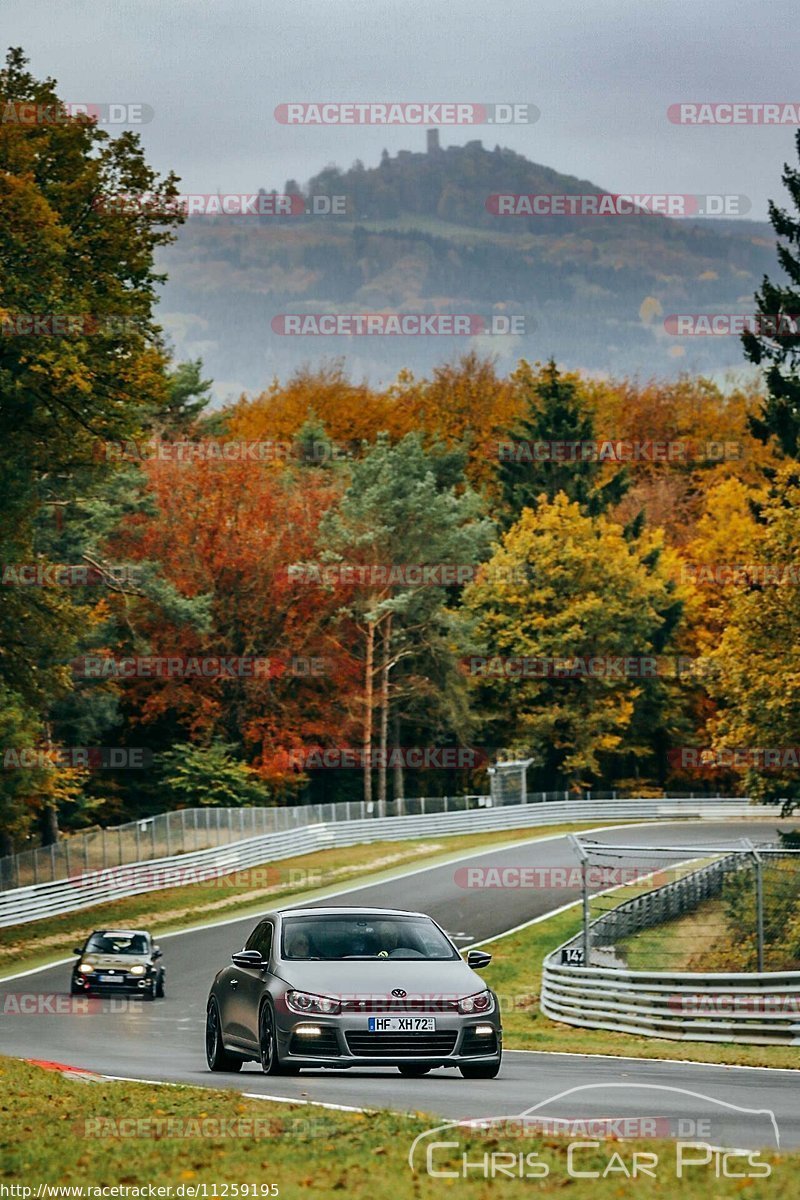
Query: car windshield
[326,938]
[117,943]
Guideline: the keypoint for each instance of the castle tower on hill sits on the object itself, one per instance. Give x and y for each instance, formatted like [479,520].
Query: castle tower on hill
[432,136]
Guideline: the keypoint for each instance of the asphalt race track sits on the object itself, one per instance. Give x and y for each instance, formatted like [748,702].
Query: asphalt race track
[164,1040]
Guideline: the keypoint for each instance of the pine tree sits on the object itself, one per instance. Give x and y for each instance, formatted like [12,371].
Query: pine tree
[556,413]
[780,355]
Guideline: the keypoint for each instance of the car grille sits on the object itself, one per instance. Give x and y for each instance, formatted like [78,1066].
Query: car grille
[473,1044]
[315,1047]
[391,1045]
[395,1004]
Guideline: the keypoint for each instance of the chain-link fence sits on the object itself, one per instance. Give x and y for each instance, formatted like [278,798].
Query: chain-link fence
[190,829]
[644,910]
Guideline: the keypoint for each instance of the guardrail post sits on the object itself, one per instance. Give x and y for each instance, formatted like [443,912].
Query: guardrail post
[758,865]
[584,857]
[759,908]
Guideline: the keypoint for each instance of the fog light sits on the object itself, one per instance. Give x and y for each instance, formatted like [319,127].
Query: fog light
[308,1030]
[484,1030]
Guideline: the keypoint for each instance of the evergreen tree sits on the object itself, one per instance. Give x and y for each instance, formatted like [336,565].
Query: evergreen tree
[557,412]
[780,354]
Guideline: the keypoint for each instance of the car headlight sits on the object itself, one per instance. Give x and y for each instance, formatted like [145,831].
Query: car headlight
[138,969]
[306,1002]
[481,1002]
[85,968]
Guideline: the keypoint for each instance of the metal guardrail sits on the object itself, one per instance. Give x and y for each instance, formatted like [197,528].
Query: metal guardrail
[745,1007]
[188,829]
[84,889]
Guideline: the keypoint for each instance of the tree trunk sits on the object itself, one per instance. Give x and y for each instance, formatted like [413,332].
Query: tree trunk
[384,704]
[399,784]
[48,818]
[48,825]
[366,742]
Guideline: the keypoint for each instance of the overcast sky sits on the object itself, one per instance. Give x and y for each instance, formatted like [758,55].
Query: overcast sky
[602,73]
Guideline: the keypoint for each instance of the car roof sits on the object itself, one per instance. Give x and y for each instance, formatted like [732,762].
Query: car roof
[121,933]
[348,912]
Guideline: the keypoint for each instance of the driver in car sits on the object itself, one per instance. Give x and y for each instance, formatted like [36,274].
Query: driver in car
[298,946]
[389,939]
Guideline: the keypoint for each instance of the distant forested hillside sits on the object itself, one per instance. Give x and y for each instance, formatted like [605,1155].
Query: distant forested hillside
[417,236]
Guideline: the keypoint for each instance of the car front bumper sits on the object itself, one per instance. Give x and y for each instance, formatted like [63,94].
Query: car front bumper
[346,1041]
[129,984]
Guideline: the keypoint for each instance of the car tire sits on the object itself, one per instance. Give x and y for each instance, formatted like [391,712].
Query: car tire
[217,1056]
[160,986]
[413,1072]
[480,1070]
[74,990]
[268,1045]
[150,992]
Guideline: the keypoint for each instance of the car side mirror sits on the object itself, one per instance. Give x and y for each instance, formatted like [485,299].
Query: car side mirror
[78,950]
[478,958]
[158,952]
[248,958]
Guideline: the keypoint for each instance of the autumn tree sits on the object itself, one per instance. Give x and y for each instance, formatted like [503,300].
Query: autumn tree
[591,593]
[81,358]
[758,682]
[402,508]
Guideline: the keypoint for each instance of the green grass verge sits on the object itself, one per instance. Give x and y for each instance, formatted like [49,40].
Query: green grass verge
[677,945]
[56,1130]
[248,892]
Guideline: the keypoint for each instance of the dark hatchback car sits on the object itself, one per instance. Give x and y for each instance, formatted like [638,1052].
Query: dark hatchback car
[347,987]
[118,960]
